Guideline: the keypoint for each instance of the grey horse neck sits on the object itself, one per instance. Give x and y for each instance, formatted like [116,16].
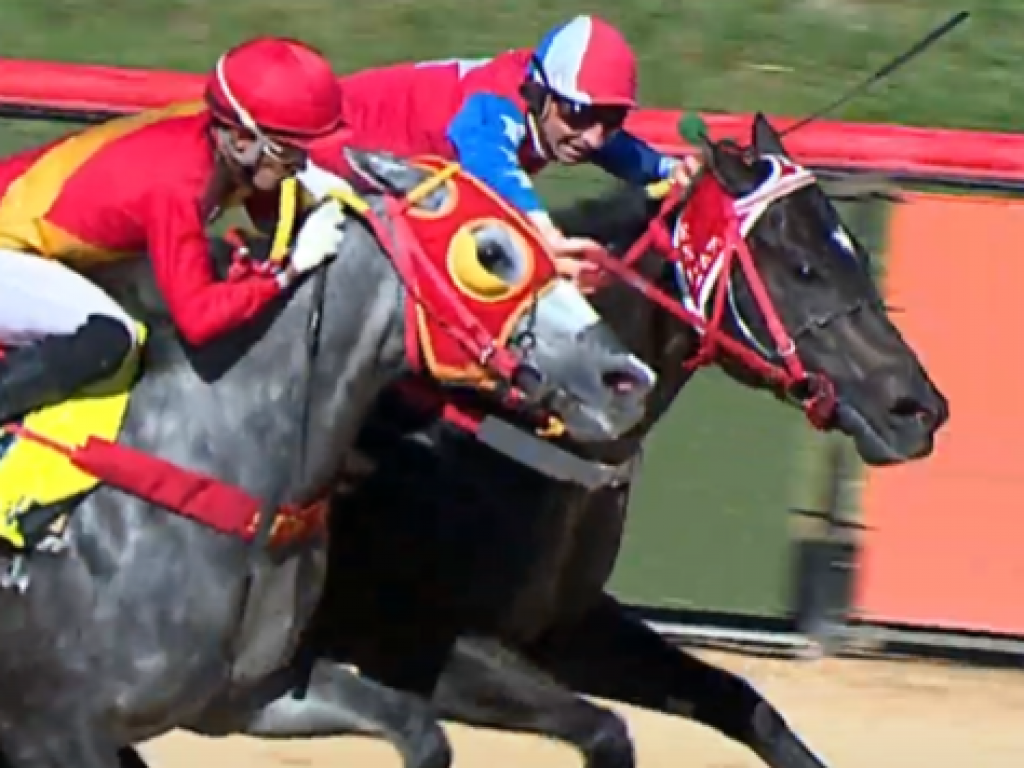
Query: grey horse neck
[240,423]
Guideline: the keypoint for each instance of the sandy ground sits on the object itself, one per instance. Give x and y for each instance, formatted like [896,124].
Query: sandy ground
[854,713]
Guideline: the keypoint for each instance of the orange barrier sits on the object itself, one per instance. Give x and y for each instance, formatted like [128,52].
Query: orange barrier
[945,540]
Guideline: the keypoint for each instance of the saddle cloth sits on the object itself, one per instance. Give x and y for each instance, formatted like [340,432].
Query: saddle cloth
[36,482]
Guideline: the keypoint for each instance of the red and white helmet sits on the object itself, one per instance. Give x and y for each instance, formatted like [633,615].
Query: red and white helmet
[281,90]
[588,62]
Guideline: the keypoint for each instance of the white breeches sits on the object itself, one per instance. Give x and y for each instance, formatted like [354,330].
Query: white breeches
[40,297]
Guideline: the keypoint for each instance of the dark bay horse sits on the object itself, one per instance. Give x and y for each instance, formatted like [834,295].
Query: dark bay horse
[448,539]
[144,620]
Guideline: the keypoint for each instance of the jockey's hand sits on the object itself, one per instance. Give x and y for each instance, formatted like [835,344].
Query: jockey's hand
[573,264]
[684,171]
[570,253]
[319,238]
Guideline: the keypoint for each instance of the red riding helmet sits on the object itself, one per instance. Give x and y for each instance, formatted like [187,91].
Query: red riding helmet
[279,89]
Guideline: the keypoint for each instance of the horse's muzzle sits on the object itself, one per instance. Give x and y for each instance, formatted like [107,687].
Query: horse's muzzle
[894,419]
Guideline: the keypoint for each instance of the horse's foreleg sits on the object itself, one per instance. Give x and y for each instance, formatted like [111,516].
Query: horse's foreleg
[609,654]
[339,702]
[129,757]
[485,684]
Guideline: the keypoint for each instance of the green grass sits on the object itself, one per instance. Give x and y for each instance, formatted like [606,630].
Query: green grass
[778,56]
[783,56]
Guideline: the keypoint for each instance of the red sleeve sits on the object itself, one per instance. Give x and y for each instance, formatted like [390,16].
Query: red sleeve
[201,306]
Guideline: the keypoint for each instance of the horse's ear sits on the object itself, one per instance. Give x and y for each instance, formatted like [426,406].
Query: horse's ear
[766,139]
[731,170]
[384,171]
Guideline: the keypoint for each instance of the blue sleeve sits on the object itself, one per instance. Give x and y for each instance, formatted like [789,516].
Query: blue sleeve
[633,160]
[486,134]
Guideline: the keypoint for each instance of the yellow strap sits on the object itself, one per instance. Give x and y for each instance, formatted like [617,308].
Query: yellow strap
[555,427]
[286,215]
[659,190]
[288,212]
[428,185]
[349,199]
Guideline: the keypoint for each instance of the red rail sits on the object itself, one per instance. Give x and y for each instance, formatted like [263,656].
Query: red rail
[893,148]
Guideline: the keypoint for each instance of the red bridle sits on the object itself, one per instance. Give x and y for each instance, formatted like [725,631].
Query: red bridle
[723,246]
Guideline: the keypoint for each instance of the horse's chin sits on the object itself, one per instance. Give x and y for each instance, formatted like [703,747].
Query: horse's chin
[590,425]
[887,444]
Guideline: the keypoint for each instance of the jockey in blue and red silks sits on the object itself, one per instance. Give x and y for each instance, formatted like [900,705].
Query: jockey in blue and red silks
[507,117]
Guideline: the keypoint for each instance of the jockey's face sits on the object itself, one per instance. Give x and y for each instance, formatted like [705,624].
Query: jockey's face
[573,132]
[271,169]
[277,161]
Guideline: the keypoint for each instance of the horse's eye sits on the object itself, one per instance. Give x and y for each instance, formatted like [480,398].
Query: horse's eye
[490,254]
[805,272]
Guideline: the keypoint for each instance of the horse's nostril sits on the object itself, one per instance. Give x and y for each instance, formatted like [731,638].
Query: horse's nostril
[528,379]
[905,406]
[911,408]
[907,397]
[620,381]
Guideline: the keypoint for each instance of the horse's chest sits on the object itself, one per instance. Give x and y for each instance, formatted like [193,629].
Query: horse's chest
[537,592]
[572,569]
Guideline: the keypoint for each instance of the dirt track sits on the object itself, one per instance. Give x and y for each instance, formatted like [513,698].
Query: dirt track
[853,713]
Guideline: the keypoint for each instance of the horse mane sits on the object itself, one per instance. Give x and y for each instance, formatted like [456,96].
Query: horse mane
[132,284]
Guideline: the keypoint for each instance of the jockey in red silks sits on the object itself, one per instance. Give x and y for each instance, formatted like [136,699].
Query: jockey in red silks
[150,184]
[505,118]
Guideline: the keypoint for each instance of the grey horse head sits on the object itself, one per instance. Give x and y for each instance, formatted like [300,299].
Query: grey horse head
[572,363]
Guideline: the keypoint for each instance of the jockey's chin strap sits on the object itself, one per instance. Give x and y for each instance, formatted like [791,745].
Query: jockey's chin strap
[815,394]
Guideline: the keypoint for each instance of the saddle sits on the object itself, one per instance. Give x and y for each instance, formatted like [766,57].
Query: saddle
[56,456]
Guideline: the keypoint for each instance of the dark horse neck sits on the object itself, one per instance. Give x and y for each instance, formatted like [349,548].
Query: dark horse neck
[617,221]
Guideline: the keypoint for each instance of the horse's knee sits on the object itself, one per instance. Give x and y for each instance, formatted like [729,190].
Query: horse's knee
[610,744]
[426,744]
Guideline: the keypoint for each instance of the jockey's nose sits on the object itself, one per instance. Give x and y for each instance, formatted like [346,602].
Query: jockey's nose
[594,136]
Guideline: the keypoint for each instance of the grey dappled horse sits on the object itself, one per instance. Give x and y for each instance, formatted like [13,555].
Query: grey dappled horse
[465,542]
[147,621]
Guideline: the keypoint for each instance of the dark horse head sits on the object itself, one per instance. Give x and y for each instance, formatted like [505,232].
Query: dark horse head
[772,286]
